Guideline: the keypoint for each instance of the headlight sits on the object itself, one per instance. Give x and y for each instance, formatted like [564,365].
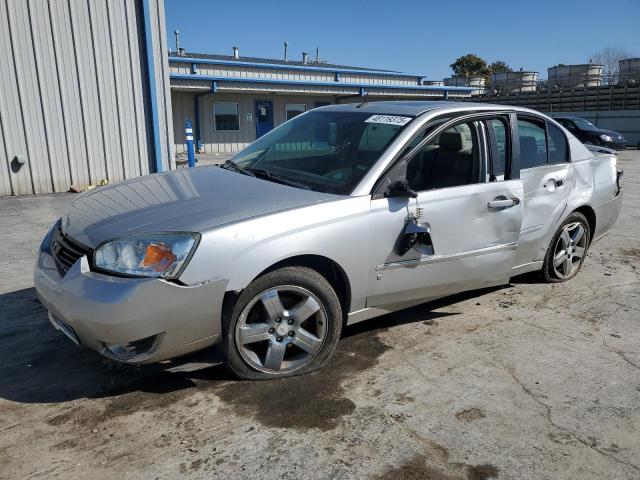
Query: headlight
[605,138]
[154,255]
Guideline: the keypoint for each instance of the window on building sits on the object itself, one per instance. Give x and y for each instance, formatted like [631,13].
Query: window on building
[226,117]
[295,109]
[557,144]
[533,143]
[451,159]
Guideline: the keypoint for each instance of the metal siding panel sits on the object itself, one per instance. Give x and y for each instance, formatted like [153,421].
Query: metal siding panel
[28,90]
[70,98]
[53,119]
[88,87]
[106,88]
[11,126]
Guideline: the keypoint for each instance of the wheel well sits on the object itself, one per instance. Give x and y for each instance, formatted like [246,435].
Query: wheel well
[330,270]
[590,215]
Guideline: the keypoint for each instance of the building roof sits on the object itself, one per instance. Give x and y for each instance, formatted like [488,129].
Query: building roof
[275,61]
[416,107]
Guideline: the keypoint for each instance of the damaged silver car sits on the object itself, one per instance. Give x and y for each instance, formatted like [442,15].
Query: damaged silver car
[340,215]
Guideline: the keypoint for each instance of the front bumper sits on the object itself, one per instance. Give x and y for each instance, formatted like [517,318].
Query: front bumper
[134,320]
[615,145]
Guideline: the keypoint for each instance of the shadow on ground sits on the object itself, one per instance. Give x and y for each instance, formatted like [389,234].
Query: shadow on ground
[40,365]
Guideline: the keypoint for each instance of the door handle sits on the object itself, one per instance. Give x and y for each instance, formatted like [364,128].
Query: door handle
[503,202]
[554,182]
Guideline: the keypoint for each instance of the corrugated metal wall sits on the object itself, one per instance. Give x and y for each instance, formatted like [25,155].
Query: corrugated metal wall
[74,96]
[218,142]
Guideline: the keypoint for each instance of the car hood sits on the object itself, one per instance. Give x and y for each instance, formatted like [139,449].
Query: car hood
[190,200]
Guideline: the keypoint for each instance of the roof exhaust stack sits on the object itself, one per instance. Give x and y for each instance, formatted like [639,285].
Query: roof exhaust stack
[177,34]
[286,47]
[236,53]
[305,57]
[181,51]
[317,54]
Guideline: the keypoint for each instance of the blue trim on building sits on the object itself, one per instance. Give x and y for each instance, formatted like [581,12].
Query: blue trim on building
[153,92]
[279,66]
[434,88]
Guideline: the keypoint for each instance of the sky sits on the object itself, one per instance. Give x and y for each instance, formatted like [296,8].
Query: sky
[418,37]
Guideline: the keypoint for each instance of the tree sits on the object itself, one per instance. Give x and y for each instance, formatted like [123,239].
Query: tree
[499,67]
[469,65]
[609,58]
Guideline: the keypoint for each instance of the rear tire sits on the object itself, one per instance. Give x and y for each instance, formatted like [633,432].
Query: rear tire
[567,249]
[285,323]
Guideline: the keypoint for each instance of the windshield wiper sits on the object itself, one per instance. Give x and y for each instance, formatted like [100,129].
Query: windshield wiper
[229,165]
[274,177]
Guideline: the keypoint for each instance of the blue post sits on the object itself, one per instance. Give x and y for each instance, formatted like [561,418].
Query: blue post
[191,157]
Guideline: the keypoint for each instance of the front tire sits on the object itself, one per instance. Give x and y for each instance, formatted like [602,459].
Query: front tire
[567,250]
[286,322]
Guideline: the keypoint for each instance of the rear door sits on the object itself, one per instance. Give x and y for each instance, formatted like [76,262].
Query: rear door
[546,175]
[473,219]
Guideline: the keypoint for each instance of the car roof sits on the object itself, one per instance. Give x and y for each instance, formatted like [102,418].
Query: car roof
[415,108]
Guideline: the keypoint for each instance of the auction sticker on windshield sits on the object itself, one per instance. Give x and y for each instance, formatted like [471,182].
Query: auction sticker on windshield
[388,119]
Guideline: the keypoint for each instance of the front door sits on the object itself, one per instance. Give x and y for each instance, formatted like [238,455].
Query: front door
[473,224]
[546,175]
[264,117]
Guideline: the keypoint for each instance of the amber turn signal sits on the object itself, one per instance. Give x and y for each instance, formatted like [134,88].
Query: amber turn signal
[158,257]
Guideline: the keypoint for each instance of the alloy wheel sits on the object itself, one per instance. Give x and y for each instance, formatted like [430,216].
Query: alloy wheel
[281,329]
[569,250]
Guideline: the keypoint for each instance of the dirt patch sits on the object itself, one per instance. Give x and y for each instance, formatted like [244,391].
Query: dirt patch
[156,392]
[315,400]
[470,414]
[481,472]
[417,469]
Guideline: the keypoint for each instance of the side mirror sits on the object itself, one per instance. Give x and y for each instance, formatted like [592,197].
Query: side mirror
[400,188]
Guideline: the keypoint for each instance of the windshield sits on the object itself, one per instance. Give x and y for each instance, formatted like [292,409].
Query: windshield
[324,151]
[583,124]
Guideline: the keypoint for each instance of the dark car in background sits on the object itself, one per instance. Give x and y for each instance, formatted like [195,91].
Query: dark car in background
[589,134]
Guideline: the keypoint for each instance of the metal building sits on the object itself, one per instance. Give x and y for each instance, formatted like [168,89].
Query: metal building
[232,100]
[84,93]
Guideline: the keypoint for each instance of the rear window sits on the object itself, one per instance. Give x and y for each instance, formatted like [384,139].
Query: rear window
[557,144]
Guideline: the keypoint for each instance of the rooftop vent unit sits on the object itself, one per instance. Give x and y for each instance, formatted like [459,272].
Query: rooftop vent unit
[236,53]
[305,57]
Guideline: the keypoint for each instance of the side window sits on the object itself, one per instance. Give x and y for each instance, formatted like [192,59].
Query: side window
[533,144]
[557,144]
[500,132]
[451,159]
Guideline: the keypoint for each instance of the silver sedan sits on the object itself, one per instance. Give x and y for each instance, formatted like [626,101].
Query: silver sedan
[342,214]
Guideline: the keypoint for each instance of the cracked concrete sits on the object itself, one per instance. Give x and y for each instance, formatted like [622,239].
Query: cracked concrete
[530,381]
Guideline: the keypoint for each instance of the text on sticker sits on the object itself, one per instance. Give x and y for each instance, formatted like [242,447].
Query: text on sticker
[388,119]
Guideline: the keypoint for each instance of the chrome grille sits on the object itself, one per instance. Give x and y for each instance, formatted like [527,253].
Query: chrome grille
[66,251]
